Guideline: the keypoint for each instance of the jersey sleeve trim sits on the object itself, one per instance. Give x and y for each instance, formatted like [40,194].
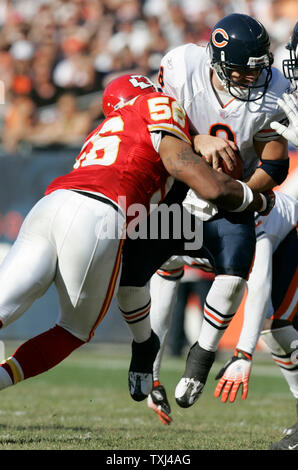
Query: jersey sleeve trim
[266,135]
[171,129]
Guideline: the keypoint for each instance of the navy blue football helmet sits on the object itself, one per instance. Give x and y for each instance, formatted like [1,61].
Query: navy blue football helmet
[290,66]
[241,42]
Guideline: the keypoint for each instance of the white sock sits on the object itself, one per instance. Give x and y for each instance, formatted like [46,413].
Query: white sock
[163,298]
[222,302]
[134,304]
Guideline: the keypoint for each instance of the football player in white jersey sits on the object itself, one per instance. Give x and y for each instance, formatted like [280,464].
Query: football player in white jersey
[274,276]
[289,102]
[275,233]
[229,91]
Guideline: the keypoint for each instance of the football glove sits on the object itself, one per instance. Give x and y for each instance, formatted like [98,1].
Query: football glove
[236,372]
[290,106]
[158,402]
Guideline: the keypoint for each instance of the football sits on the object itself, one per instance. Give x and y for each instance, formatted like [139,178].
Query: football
[237,173]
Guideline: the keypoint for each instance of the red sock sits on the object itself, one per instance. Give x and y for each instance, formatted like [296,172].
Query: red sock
[41,353]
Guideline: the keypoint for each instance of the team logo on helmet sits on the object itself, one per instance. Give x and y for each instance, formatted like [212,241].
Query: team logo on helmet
[140,81]
[223,36]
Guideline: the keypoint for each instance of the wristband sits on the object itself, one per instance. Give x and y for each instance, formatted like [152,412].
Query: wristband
[268,202]
[247,197]
[264,203]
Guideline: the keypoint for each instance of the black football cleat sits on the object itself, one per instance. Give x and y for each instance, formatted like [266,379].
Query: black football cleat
[289,442]
[198,364]
[140,376]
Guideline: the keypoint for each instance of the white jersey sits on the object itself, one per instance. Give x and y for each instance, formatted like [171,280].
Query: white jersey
[186,77]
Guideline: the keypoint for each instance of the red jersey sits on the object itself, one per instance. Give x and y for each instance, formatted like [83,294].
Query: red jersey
[119,159]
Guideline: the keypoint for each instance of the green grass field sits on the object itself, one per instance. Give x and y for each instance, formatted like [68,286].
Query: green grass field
[84,404]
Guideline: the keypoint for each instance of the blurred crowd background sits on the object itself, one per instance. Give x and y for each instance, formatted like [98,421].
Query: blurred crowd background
[57,55]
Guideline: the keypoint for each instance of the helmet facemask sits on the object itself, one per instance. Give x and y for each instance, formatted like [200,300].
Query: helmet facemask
[290,66]
[243,91]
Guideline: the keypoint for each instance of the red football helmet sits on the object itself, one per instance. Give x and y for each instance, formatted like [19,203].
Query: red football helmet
[123,89]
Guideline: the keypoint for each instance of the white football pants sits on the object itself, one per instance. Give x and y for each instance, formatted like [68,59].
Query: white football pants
[74,241]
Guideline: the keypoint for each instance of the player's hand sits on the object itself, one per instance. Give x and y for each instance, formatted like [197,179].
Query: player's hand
[235,373]
[268,202]
[290,106]
[213,149]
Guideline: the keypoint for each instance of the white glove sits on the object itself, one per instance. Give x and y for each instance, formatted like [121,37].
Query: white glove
[235,373]
[290,106]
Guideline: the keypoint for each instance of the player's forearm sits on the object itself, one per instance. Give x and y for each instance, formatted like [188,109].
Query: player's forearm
[274,166]
[216,187]
[270,174]
[260,181]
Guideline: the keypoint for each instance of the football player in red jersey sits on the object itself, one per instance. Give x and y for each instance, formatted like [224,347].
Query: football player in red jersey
[73,236]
